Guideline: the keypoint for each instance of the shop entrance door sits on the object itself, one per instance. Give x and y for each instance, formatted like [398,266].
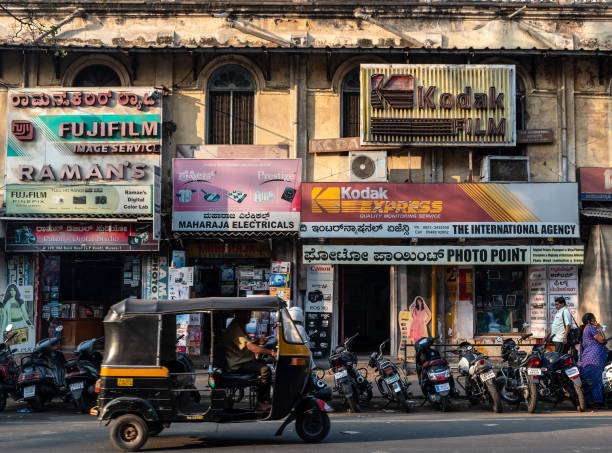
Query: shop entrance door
[365,303]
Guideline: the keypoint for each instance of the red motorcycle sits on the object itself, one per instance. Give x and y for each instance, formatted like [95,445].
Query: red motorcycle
[8,370]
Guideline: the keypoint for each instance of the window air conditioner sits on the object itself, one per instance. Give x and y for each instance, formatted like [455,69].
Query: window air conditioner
[504,169]
[368,166]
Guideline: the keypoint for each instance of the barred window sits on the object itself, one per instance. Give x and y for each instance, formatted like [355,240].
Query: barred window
[231,95]
[97,75]
[350,104]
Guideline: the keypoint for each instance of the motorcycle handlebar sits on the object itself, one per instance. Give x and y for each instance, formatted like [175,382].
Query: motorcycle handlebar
[349,339]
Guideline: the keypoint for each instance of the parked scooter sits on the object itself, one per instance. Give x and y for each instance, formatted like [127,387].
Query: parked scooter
[478,377]
[9,372]
[518,380]
[82,372]
[560,379]
[350,381]
[391,381]
[42,373]
[435,376]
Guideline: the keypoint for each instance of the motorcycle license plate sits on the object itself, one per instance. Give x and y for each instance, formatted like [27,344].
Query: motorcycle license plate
[443,387]
[572,372]
[392,379]
[534,371]
[487,376]
[340,374]
[77,385]
[29,391]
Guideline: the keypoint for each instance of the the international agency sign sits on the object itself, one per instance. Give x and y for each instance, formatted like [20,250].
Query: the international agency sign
[438,105]
[82,151]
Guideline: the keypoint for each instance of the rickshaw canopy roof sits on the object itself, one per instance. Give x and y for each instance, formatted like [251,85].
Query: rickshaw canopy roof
[162,307]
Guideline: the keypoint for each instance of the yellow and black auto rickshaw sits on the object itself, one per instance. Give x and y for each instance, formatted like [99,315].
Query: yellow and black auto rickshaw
[143,388]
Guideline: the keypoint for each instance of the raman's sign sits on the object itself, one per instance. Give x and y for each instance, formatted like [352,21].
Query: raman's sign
[438,105]
[439,210]
[82,151]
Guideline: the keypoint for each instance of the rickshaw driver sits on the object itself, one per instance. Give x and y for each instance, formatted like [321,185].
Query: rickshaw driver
[240,357]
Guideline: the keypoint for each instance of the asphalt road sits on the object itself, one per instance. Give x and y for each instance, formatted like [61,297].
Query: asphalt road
[470,431]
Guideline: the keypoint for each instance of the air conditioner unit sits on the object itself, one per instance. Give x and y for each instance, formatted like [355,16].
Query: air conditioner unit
[504,169]
[368,166]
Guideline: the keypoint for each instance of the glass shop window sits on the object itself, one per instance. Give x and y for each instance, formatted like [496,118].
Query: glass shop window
[500,297]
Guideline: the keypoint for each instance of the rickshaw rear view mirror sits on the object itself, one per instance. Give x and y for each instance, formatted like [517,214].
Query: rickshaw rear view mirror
[8,328]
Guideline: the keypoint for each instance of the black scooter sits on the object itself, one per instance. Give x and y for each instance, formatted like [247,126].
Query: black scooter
[350,381]
[9,372]
[391,382]
[42,374]
[82,372]
[435,376]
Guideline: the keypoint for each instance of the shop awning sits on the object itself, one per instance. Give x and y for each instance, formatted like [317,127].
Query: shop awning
[600,212]
[234,234]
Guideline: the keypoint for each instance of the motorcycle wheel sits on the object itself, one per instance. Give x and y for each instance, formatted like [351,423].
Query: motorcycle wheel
[83,403]
[445,404]
[507,395]
[403,401]
[36,404]
[532,398]
[366,395]
[577,396]
[496,404]
[312,426]
[129,433]
[2,401]
[353,403]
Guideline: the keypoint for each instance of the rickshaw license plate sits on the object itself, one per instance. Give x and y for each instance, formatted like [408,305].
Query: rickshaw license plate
[392,379]
[534,371]
[443,387]
[487,376]
[340,374]
[571,372]
[125,382]
[77,385]
[29,391]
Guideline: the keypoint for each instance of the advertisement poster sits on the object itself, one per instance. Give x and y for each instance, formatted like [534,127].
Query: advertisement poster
[155,276]
[381,210]
[18,304]
[236,194]
[91,151]
[596,183]
[319,288]
[318,329]
[433,105]
[403,318]
[178,258]
[176,292]
[563,282]
[79,236]
[538,294]
[180,276]
[283,293]
[442,254]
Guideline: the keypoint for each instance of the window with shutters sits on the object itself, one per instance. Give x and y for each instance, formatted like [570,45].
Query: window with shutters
[350,104]
[231,106]
[97,75]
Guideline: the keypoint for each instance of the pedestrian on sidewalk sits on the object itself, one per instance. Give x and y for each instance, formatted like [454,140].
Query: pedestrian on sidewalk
[593,355]
[560,328]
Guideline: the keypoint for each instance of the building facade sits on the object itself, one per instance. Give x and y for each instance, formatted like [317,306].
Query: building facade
[238,80]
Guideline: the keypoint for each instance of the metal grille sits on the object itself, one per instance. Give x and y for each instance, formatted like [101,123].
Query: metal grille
[231,117]
[350,111]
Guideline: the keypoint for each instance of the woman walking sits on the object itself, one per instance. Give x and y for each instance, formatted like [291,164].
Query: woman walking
[593,355]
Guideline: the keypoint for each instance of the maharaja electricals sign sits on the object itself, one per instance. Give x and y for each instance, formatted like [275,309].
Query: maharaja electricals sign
[364,210]
[438,105]
[85,151]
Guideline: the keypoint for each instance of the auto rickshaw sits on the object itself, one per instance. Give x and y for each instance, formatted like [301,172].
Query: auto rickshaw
[143,388]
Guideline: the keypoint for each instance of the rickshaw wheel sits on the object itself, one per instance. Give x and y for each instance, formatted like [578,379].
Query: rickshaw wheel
[312,426]
[129,433]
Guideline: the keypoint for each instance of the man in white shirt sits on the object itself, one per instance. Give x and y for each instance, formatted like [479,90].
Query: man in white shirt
[560,327]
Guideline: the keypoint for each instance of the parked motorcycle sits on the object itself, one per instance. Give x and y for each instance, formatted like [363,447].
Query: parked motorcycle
[42,374]
[518,380]
[9,372]
[478,377]
[435,376]
[391,381]
[82,372]
[560,379]
[606,377]
[320,390]
[350,381]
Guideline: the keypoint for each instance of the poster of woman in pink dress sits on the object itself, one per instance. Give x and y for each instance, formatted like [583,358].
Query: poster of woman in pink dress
[420,315]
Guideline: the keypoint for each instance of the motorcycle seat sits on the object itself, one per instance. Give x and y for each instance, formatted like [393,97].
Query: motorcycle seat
[229,379]
[434,362]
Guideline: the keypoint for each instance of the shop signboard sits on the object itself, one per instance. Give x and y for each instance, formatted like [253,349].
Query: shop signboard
[18,305]
[236,194]
[319,307]
[155,276]
[82,151]
[596,184]
[79,236]
[381,210]
[537,301]
[443,254]
[438,105]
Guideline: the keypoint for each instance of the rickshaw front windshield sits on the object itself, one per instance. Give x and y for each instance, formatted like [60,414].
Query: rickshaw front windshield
[291,334]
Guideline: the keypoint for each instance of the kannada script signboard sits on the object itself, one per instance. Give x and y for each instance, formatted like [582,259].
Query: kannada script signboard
[82,151]
[436,105]
[383,210]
